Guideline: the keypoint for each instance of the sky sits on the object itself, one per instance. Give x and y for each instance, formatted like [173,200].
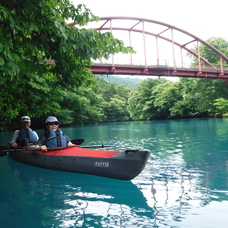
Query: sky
[202,18]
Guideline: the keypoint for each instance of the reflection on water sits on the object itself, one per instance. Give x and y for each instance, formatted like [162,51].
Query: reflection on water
[178,193]
[70,199]
[184,184]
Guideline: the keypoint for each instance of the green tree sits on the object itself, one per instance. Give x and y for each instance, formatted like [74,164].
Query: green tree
[116,109]
[197,97]
[221,105]
[212,89]
[34,33]
[186,105]
[81,106]
[219,43]
[95,104]
[115,100]
[141,101]
[166,96]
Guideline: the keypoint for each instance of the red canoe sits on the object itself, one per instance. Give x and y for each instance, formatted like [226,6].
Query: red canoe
[123,165]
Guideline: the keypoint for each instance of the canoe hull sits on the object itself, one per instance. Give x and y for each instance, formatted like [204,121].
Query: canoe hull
[123,165]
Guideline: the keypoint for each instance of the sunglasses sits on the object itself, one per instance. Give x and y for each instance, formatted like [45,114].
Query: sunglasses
[53,123]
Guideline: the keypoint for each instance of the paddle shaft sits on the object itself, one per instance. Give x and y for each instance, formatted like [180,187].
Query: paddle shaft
[4,150]
[95,146]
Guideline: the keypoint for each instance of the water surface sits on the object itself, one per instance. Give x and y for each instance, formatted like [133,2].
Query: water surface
[184,184]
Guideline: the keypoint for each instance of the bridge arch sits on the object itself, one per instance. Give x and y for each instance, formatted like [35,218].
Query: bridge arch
[166,32]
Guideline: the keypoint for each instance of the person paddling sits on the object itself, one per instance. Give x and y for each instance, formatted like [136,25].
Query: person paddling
[25,136]
[53,136]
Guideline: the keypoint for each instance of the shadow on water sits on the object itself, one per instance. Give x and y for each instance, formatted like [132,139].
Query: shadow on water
[37,197]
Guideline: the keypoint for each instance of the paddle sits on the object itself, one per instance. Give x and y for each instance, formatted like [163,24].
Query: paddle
[96,146]
[4,150]
[7,150]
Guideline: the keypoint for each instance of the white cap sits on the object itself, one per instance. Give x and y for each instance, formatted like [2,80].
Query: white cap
[51,119]
[25,119]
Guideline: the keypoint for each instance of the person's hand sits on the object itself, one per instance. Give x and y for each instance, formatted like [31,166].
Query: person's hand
[43,148]
[71,144]
[14,145]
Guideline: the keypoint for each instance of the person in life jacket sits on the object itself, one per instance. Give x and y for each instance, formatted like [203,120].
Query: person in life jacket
[25,136]
[53,136]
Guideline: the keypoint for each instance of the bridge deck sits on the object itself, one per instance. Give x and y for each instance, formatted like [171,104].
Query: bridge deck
[157,71]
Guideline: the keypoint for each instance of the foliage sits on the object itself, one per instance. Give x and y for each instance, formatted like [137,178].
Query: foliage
[221,105]
[212,94]
[166,96]
[34,33]
[219,43]
[115,100]
[83,105]
[141,101]
[161,99]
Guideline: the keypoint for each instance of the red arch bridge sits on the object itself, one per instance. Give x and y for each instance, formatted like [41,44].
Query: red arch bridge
[161,50]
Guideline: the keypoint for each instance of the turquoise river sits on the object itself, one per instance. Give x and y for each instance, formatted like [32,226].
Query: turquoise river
[184,184]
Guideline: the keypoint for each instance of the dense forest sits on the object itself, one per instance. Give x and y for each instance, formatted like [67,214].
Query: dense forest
[67,89]
[151,99]
[131,81]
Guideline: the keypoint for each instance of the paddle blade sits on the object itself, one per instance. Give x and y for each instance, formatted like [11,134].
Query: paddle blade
[77,141]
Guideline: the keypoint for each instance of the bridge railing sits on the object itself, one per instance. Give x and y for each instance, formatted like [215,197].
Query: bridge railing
[182,65]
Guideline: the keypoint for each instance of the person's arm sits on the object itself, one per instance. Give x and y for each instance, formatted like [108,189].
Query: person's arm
[41,143]
[14,138]
[69,143]
[34,143]
[37,137]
